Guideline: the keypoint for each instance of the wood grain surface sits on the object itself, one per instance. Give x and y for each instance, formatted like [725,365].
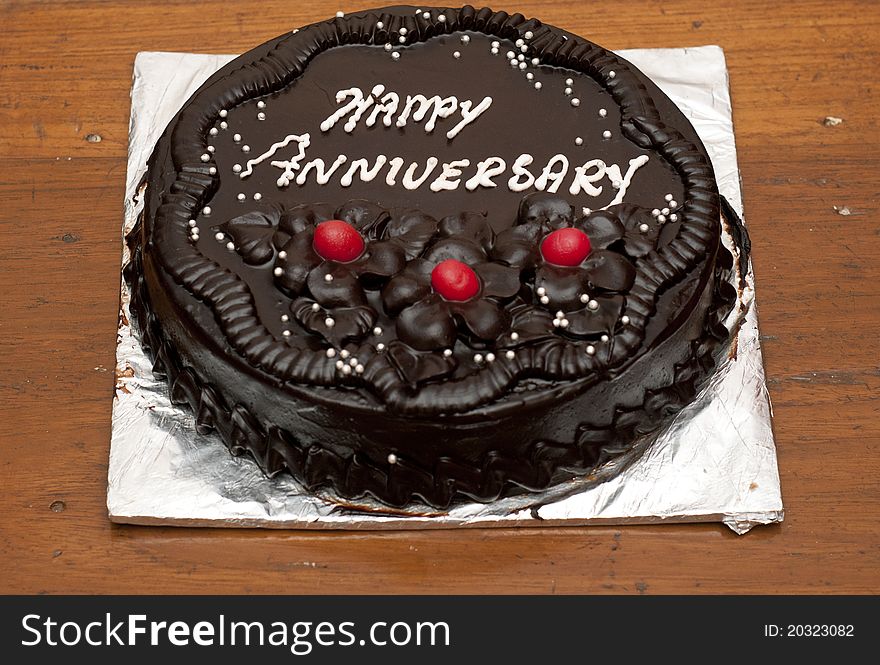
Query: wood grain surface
[811,198]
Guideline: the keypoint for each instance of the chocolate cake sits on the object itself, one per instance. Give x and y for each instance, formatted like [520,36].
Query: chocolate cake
[430,255]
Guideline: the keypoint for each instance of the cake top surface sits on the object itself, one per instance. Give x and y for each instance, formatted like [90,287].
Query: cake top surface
[432,206]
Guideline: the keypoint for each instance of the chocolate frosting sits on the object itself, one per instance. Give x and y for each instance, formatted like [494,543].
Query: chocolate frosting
[253,324]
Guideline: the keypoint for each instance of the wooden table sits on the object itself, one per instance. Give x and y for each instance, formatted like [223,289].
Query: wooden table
[811,195]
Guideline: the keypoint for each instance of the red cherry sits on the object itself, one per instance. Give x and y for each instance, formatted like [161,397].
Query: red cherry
[338,241]
[454,280]
[566,247]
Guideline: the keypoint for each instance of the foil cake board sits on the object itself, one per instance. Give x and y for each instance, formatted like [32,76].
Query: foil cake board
[716,461]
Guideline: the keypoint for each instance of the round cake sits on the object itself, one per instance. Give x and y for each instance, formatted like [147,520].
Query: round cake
[430,255]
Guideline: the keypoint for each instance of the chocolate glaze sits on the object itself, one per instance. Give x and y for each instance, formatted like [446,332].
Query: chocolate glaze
[456,426]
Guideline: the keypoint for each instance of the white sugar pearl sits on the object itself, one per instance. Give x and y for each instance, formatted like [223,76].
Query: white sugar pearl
[282,254]
[519,42]
[377,330]
[206,157]
[442,18]
[644,228]
[514,63]
[673,204]
[286,333]
[537,85]
[661,218]
[673,217]
[392,458]
[339,364]
[569,81]
[584,298]
[665,211]
[214,131]
[514,336]
[230,246]
[245,148]
[388,47]
[315,307]
[329,322]
[285,318]
[257,196]
[195,237]
[219,236]
[192,222]
[353,362]
[575,101]
[395,55]
[447,353]
[655,212]
[541,291]
[535,62]
[340,14]
[211,149]
[478,357]
[529,34]
[380,25]
[331,353]
[346,369]
[426,15]
[522,65]
[521,57]
[560,314]
[496,44]
[530,76]
[261,105]
[465,39]
[612,74]
[494,51]
[567,91]
[277,272]
[213,170]
[578,141]
[490,357]
[456,54]
[624,320]
[545,300]
[606,134]
[511,55]
[261,116]
[591,350]
[223,113]
[236,168]
[223,125]
[401,40]
[328,278]
[344,353]
[242,197]
[603,338]
[403,31]
[206,210]
[563,323]
[602,113]
[668,197]
[593,305]
[358,369]
[510,355]
[380,347]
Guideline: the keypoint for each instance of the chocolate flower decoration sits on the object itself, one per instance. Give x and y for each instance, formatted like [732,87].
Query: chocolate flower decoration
[327,258]
[453,289]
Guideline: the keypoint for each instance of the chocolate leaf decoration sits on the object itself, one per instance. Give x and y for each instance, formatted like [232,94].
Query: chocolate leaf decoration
[427,325]
[588,323]
[412,230]
[415,367]
[483,318]
[382,259]
[498,281]
[470,226]
[518,246]
[297,264]
[343,290]
[610,271]
[548,211]
[603,227]
[461,249]
[304,216]
[349,323]
[563,286]
[531,324]
[252,234]
[411,285]
[366,216]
